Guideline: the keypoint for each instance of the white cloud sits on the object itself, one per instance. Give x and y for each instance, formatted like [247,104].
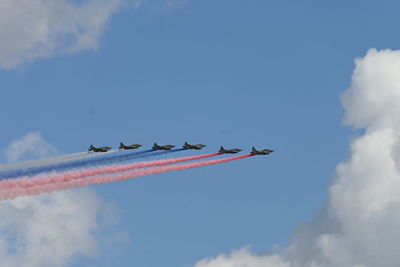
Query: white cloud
[52,229]
[48,230]
[32,29]
[359,224]
[243,258]
[32,145]
[36,29]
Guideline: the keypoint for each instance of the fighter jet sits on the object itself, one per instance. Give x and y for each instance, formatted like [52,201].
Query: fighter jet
[158,147]
[196,147]
[229,151]
[134,146]
[254,151]
[99,149]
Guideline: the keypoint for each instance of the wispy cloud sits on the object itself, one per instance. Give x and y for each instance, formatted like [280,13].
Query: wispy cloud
[358,226]
[42,28]
[167,5]
[30,146]
[30,30]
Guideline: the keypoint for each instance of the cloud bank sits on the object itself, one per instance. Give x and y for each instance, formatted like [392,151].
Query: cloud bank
[359,224]
[52,229]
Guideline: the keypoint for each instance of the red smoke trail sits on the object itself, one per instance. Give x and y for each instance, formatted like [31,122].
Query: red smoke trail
[73,175]
[106,178]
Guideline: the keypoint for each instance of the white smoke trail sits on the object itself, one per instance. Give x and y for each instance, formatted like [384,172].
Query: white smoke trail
[53,160]
[39,162]
[359,224]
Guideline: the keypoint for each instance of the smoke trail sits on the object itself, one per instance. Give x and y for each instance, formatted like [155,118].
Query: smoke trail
[52,160]
[101,179]
[73,175]
[39,162]
[83,163]
[67,165]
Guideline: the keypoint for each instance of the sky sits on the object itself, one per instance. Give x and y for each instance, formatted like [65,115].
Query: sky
[312,80]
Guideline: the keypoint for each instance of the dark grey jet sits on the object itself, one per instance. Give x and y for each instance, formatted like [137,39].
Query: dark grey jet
[98,149]
[196,147]
[229,151]
[165,147]
[134,146]
[254,151]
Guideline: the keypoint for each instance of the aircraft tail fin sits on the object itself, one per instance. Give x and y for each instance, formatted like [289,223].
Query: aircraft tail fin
[253,150]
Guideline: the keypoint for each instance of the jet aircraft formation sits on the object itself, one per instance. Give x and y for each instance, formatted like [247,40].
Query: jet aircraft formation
[186,145]
[81,169]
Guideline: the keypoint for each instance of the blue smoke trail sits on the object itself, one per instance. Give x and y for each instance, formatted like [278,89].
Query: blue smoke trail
[84,163]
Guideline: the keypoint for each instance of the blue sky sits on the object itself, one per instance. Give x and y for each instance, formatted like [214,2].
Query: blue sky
[232,73]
